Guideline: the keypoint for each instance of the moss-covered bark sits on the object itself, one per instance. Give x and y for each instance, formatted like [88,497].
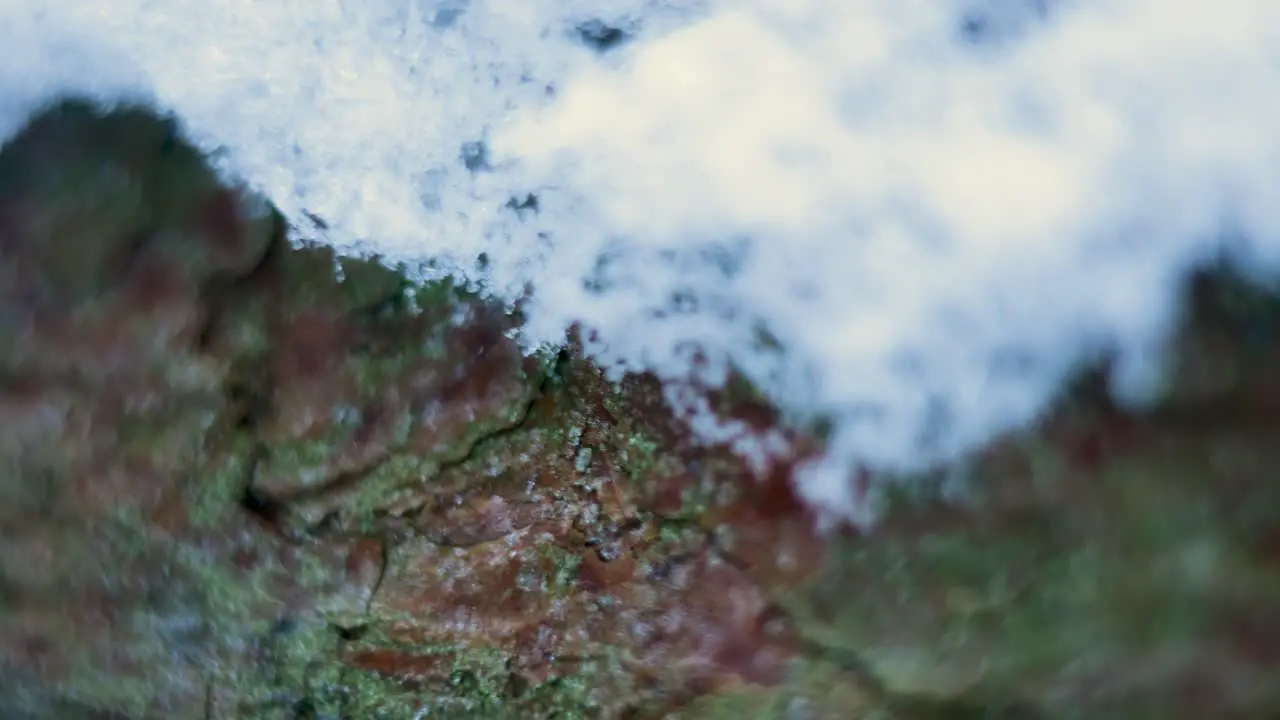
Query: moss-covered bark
[243,479]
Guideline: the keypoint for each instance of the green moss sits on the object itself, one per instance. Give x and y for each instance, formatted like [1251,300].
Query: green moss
[945,612]
[1130,574]
[641,455]
[814,688]
[562,579]
[213,491]
[376,370]
[244,332]
[309,278]
[741,703]
[442,293]
[369,283]
[383,484]
[467,684]
[171,607]
[231,600]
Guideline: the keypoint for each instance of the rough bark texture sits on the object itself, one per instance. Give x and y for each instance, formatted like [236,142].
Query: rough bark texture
[240,479]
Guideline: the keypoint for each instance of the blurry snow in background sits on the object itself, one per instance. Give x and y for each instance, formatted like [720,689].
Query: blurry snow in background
[934,207]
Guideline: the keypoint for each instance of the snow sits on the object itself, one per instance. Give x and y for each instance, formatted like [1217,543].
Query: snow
[937,208]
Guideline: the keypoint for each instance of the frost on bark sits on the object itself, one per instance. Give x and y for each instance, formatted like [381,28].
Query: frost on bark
[244,479]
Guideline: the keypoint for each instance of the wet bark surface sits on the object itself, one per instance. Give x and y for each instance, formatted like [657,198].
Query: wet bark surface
[241,478]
